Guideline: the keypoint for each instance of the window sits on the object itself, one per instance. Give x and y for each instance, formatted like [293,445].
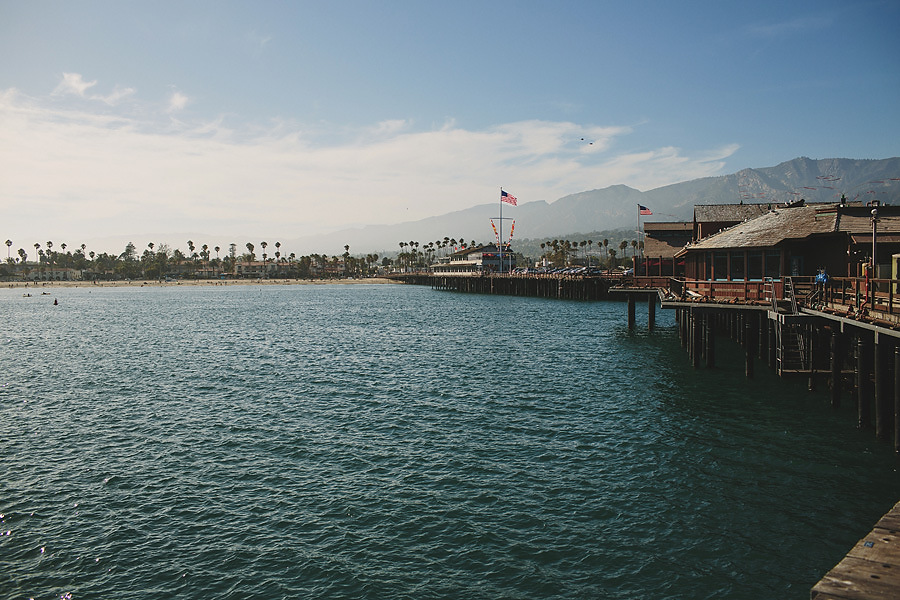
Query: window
[773,264]
[720,266]
[755,265]
[737,266]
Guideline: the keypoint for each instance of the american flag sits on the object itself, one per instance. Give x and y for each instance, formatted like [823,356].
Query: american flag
[644,210]
[508,198]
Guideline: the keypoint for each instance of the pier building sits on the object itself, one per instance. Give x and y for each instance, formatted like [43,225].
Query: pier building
[478,259]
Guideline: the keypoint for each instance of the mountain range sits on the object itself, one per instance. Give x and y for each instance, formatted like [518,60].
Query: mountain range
[616,207]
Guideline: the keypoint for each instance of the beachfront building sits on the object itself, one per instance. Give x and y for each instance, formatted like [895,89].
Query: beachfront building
[477,260]
[797,240]
[54,274]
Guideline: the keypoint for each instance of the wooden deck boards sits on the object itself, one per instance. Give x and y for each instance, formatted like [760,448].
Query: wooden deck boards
[871,570]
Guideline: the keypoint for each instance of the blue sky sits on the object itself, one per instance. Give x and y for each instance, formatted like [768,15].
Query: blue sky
[280,119]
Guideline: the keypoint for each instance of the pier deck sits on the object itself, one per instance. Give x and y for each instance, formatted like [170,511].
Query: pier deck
[871,570]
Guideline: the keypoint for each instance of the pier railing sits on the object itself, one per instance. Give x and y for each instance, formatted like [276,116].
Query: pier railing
[843,294]
[728,291]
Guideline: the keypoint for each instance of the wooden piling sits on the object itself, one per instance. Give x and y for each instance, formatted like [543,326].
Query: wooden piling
[749,348]
[631,311]
[883,408]
[651,310]
[710,341]
[696,339]
[864,382]
[836,364]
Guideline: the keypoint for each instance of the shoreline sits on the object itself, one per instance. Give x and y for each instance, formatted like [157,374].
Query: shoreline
[45,285]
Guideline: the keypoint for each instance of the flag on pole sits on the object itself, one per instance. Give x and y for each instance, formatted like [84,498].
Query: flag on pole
[508,198]
[644,210]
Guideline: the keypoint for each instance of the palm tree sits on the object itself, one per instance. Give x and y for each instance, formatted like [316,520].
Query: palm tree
[250,248]
[8,244]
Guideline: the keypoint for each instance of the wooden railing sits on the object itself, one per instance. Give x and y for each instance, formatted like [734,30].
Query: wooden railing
[840,293]
[726,291]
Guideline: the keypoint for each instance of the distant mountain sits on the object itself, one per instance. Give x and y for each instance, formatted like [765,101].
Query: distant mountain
[615,207]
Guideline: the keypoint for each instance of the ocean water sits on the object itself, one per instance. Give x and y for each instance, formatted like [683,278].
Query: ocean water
[388,441]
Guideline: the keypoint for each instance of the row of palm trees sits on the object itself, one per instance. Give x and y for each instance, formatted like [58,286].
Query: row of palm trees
[159,260]
[411,257]
[561,251]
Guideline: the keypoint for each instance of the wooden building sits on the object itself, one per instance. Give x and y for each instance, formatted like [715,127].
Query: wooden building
[710,219]
[662,241]
[795,241]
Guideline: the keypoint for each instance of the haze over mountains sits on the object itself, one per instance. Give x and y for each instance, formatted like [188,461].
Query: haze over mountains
[606,209]
[615,207]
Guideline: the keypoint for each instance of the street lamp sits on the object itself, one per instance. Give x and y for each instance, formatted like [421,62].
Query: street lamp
[875,204]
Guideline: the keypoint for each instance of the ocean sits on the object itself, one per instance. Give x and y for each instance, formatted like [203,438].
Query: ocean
[390,441]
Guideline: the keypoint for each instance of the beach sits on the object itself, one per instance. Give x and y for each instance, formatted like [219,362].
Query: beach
[46,285]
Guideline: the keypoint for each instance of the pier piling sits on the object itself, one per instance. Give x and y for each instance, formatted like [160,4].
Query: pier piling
[836,362]
[864,382]
[631,311]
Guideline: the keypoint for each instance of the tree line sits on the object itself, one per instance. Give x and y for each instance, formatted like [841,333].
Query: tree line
[158,261]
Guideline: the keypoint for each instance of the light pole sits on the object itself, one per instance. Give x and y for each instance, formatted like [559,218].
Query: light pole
[875,204]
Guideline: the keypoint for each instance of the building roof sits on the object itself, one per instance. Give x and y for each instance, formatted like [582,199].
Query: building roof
[480,248]
[800,222]
[668,226]
[717,213]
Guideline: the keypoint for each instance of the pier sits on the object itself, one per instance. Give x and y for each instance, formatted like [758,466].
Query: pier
[871,569]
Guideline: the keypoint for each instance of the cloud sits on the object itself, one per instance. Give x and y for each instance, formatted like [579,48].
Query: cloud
[78,172]
[790,27]
[73,83]
[117,94]
[177,102]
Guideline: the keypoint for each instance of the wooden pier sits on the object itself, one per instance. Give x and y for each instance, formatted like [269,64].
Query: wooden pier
[871,570]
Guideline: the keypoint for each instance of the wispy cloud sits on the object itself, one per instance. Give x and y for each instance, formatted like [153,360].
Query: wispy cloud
[91,173]
[793,26]
[73,83]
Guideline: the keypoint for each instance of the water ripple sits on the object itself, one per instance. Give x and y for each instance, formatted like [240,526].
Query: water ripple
[373,441]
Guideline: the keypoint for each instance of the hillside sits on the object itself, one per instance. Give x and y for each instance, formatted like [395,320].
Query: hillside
[615,207]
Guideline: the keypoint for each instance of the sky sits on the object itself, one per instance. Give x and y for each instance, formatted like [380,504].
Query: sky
[279,119]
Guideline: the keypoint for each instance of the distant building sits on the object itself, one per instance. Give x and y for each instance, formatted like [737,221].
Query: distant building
[54,274]
[662,240]
[480,259]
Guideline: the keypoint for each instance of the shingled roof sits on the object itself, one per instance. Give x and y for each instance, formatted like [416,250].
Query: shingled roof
[797,223]
[723,213]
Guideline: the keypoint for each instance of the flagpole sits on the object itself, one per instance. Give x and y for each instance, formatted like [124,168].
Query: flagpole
[501,231]
[639,236]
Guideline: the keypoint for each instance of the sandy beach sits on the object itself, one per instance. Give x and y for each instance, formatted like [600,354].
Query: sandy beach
[47,285]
